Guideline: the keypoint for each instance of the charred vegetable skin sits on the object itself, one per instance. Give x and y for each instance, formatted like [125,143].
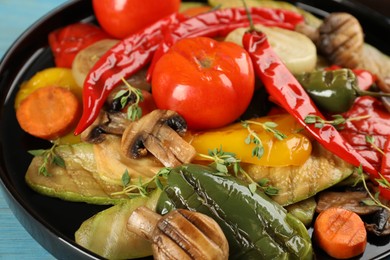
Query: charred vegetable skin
[135,51]
[266,232]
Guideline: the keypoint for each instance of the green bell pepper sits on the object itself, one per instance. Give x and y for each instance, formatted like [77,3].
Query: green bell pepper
[332,91]
[255,226]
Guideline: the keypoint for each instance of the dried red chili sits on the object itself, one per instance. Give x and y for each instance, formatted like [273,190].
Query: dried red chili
[288,93]
[134,52]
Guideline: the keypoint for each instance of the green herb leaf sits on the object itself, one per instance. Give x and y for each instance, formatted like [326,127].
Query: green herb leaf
[125,178]
[252,187]
[225,162]
[57,160]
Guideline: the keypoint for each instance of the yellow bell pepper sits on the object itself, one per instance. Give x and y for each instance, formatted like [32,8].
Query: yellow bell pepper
[294,149]
[54,76]
[61,77]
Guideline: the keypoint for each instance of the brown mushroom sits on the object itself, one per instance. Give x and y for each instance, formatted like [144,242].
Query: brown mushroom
[180,234]
[106,123]
[159,133]
[341,38]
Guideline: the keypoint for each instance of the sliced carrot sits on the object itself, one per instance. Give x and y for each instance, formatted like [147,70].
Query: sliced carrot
[340,233]
[49,112]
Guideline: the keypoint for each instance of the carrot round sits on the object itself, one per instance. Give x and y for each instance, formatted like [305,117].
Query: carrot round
[340,233]
[49,112]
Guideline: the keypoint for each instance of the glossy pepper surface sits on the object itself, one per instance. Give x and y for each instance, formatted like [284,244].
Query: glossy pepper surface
[295,149]
[377,125]
[255,226]
[288,93]
[332,91]
[335,90]
[135,51]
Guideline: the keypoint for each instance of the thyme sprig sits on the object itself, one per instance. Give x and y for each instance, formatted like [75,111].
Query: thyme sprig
[140,188]
[252,137]
[374,198]
[371,140]
[338,120]
[223,161]
[49,157]
[131,94]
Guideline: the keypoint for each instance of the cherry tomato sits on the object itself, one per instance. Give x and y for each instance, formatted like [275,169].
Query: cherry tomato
[66,42]
[121,18]
[209,83]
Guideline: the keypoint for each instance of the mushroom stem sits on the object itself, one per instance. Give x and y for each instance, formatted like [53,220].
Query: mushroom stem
[180,234]
[142,222]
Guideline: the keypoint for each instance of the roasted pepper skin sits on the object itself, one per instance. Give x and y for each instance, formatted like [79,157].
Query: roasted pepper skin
[333,91]
[255,226]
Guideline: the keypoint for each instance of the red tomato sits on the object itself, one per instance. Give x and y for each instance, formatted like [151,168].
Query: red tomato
[209,83]
[66,42]
[121,18]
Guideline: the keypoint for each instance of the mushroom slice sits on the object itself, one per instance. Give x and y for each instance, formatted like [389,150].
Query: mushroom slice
[341,38]
[106,123]
[350,200]
[159,133]
[180,234]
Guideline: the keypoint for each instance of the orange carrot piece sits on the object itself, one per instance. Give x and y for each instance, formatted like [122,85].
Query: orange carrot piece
[340,233]
[49,112]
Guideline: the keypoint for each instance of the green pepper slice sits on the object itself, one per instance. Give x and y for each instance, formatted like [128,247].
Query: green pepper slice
[332,91]
[255,226]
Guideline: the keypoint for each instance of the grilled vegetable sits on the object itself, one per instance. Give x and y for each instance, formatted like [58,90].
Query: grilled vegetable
[333,91]
[296,50]
[266,232]
[295,183]
[76,180]
[106,234]
[180,234]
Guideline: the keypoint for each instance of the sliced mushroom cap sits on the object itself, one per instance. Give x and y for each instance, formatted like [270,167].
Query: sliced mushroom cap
[350,200]
[180,234]
[159,133]
[106,123]
[341,38]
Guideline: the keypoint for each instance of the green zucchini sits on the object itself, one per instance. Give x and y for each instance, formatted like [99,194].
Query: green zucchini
[296,183]
[106,234]
[255,226]
[78,181]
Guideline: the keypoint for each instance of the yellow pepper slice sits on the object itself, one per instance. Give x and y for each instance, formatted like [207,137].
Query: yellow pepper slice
[54,76]
[61,77]
[295,149]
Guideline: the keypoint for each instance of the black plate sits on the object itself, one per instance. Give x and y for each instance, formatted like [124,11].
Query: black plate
[52,222]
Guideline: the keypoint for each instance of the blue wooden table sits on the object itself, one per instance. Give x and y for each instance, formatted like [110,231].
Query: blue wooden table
[15,17]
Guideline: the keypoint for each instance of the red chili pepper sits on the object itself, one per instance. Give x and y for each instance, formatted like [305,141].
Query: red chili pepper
[284,88]
[66,42]
[134,52]
[377,125]
[365,78]
[385,167]
[221,22]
